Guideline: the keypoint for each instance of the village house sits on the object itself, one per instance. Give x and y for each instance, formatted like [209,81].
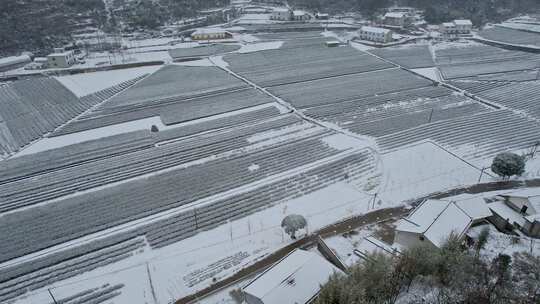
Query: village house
[463,26]
[519,210]
[322,16]
[398,19]
[281,14]
[61,59]
[375,34]
[299,15]
[296,278]
[433,221]
[210,34]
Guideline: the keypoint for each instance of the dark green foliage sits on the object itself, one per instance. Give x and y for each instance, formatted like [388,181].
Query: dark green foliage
[452,274]
[508,164]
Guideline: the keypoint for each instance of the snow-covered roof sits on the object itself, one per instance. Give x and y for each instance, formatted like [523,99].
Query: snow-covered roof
[451,220]
[448,24]
[60,54]
[299,13]
[476,208]
[462,22]
[437,219]
[503,210]
[395,15]
[323,14]
[6,61]
[281,9]
[373,29]
[532,195]
[296,278]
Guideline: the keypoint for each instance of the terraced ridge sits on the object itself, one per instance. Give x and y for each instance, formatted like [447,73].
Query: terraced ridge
[62,182]
[468,61]
[44,271]
[351,168]
[411,57]
[348,88]
[475,137]
[28,166]
[302,63]
[40,227]
[518,76]
[31,108]
[173,91]
[476,87]
[523,96]
[202,51]
[511,36]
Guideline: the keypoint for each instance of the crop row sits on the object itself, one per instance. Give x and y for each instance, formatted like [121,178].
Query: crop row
[480,136]
[37,228]
[520,96]
[67,181]
[349,88]
[511,36]
[411,57]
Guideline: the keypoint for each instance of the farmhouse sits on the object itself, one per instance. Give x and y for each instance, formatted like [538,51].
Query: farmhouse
[463,26]
[518,210]
[301,16]
[210,34]
[434,221]
[375,34]
[61,59]
[281,14]
[297,278]
[322,16]
[396,19]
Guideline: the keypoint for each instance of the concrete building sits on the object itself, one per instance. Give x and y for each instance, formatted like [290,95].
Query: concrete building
[211,34]
[281,14]
[519,210]
[322,16]
[399,19]
[433,221]
[295,279]
[61,59]
[299,15]
[375,34]
[463,26]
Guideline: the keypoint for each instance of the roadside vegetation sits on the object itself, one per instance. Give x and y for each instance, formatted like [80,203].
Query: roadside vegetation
[452,274]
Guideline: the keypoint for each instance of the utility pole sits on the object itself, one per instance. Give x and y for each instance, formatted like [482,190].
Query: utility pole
[430,115]
[50,293]
[481,173]
[374,198]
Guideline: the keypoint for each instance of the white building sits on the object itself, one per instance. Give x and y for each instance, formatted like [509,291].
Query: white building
[210,34]
[463,26]
[396,19]
[434,221]
[518,210]
[299,15]
[322,16]
[61,59]
[375,34]
[295,279]
[281,14]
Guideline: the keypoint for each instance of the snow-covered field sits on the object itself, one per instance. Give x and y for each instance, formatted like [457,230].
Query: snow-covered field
[389,169]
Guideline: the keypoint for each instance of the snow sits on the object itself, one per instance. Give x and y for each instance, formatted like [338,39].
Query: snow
[295,279]
[422,169]
[504,211]
[423,216]
[88,83]
[196,63]
[262,46]
[253,167]
[431,73]
[451,220]
[343,142]
[475,207]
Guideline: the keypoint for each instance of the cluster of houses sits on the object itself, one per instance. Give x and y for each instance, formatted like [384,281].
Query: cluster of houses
[456,27]
[297,278]
[288,14]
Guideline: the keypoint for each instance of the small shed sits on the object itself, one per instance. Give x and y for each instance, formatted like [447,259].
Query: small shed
[211,34]
[295,279]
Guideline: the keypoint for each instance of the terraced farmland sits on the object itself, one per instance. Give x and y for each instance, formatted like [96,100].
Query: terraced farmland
[523,96]
[468,61]
[411,57]
[511,36]
[289,65]
[348,88]
[202,51]
[475,137]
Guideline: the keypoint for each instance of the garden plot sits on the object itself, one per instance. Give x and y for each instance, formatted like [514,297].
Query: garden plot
[378,120]
[517,76]
[411,57]
[476,138]
[203,51]
[523,96]
[474,60]
[285,65]
[476,87]
[289,35]
[511,36]
[348,88]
